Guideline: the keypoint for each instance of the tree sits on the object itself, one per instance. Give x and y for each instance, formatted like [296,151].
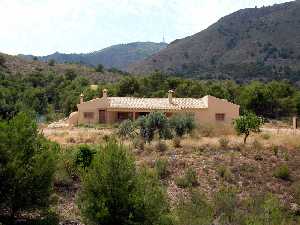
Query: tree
[113,192]
[248,123]
[2,61]
[51,62]
[99,68]
[26,165]
[84,156]
[128,86]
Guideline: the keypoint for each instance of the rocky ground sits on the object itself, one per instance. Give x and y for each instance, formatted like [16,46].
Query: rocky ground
[249,168]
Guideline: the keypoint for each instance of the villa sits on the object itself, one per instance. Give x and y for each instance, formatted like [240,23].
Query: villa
[109,110]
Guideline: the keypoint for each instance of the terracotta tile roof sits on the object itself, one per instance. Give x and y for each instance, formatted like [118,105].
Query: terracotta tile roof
[156,103]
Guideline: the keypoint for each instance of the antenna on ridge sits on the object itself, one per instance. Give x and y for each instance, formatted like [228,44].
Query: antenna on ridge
[164,41]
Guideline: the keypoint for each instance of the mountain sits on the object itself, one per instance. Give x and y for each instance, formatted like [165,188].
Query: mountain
[16,66]
[254,43]
[116,56]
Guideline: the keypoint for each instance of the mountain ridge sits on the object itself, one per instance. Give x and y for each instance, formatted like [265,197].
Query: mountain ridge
[116,56]
[253,38]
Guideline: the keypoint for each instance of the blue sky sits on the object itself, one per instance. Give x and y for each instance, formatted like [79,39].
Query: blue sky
[41,27]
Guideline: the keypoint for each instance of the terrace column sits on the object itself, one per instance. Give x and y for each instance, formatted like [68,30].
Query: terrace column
[133,116]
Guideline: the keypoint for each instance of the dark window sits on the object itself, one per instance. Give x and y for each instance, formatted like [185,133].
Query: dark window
[220,116]
[125,116]
[88,115]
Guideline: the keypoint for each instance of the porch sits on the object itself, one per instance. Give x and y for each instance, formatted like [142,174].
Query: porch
[111,117]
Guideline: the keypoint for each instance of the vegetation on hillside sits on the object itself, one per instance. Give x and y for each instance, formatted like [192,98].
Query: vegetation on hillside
[206,183]
[52,95]
[116,56]
[258,43]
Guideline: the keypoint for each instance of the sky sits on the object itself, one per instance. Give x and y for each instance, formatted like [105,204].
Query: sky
[42,27]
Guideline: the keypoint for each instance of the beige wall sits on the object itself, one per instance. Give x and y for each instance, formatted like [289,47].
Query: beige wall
[202,116]
[216,105]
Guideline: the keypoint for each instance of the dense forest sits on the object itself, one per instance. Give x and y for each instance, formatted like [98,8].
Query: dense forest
[53,96]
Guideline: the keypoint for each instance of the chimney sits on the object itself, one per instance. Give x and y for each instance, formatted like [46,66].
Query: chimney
[81,98]
[170,96]
[104,93]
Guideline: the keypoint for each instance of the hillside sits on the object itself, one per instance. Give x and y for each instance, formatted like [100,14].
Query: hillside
[255,43]
[116,56]
[16,65]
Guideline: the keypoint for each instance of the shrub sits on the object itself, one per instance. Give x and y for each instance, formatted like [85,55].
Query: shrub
[99,68]
[256,145]
[195,210]
[126,129]
[248,123]
[27,165]
[2,61]
[266,210]
[51,62]
[155,122]
[282,172]
[182,124]
[161,167]
[84,156]
[206,130]
[275,150]
[223,141]
[113,192]
[266,136]
[188,180]
[176,142]
[225,205]
[161,146]
[224,173]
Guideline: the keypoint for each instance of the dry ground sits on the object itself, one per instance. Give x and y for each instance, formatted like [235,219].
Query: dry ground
[249,168]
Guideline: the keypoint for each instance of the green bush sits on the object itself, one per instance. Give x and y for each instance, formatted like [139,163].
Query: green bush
[126,129]
[275,150]
[282,172]
[161,167]
[99,68]
[265,210]
[154,123]
[223,141]
[225,205]
[27,165]
[188,180]
[114,192]
[2,61]
[224,173]
[182,124]
[51,62]
[266,136]
[84,156]
[195,210]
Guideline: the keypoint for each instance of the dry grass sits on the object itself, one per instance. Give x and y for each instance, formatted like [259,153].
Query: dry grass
[249,168]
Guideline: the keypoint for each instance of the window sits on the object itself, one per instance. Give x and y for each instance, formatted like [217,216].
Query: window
[125,116]
[88,115]
[220,116]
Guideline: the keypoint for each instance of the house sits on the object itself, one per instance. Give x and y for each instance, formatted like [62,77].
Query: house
[109,110]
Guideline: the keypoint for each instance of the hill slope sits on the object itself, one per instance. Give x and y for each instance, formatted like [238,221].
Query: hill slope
[14,66]
[116,56]
[247,44]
